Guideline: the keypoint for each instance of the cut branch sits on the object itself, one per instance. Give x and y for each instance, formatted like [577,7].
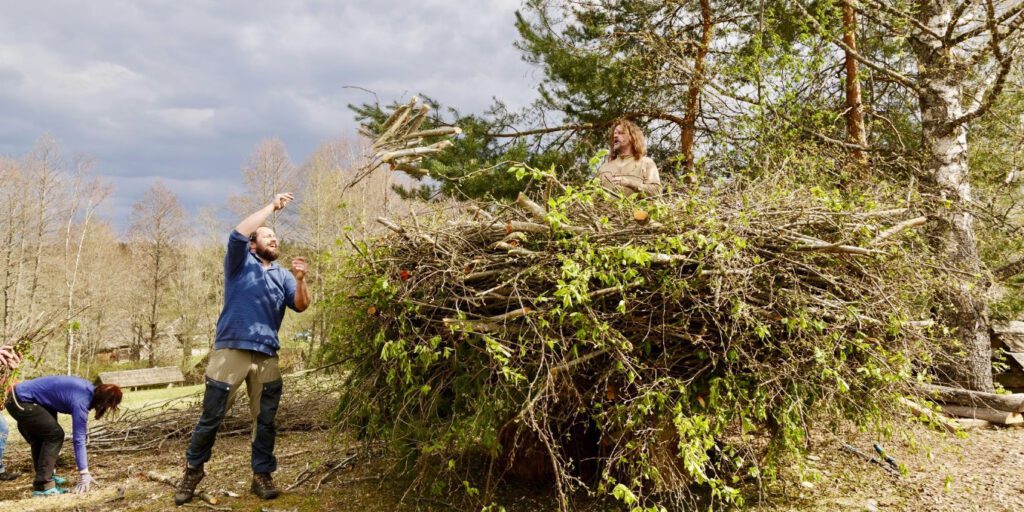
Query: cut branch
[908,224]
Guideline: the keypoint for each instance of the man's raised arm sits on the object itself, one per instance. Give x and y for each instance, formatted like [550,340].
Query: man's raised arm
[255,220]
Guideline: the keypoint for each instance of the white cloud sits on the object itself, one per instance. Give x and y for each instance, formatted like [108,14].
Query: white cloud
[185,90]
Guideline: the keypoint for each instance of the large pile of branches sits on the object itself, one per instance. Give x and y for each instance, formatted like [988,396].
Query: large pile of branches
[638,348]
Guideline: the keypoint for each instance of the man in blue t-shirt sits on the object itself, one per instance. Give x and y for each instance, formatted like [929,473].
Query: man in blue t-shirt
[256,292]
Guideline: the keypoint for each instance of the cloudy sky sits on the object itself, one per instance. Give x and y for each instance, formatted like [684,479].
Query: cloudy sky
[183,91]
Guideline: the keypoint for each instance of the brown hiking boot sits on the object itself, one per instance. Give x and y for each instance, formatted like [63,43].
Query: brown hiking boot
[187,486]
[263,486]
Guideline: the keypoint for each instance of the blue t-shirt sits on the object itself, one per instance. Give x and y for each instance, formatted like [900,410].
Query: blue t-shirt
[67,395]
[254,300]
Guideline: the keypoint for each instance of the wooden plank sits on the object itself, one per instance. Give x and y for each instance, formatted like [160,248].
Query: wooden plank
[966,397]
[983,413]
[1010,334]
[143,377]
[1016,357]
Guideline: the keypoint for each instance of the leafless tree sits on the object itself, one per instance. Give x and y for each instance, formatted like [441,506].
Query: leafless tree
[158,228]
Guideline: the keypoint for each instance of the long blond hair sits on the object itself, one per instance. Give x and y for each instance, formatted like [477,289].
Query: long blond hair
[636,138]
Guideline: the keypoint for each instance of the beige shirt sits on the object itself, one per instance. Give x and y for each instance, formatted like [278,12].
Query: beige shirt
[638,176]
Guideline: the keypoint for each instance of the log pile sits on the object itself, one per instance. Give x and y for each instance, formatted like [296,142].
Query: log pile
[665,330]
[992,408]
[304,406]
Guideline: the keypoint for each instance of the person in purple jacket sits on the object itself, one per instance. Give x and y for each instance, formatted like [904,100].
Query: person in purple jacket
[256,292]
[35,403]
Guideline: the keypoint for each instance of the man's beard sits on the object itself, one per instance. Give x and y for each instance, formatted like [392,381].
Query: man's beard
[266,254]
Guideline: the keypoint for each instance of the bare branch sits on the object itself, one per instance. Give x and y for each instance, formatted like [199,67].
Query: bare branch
[1014,26]
[900,14]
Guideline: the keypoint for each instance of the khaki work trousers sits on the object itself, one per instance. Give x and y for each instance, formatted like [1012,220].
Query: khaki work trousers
[227,370]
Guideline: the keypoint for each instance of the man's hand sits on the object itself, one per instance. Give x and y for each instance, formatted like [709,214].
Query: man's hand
[9,358]
[628,182]
[299,268]
[282,200]
[85,482]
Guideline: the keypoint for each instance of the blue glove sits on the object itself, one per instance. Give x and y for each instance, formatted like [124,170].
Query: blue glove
[85,482]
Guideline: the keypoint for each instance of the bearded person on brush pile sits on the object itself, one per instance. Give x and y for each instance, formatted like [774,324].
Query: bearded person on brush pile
[256,292]
[10,360]
[627,169]
[34,404]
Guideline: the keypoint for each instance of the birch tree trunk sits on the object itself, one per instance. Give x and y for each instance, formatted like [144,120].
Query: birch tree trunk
[945,146]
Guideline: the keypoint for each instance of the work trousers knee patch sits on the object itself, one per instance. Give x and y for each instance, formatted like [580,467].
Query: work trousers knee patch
[270,397]
[215,400]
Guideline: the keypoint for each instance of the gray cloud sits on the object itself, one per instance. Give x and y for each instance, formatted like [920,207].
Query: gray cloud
[183,91]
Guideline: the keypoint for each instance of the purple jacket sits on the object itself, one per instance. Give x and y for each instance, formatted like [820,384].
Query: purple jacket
[67,395]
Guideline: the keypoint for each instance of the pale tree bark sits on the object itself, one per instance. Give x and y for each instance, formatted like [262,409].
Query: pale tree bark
[940,86]
[157,228]
[45,166]
[14,225]
[957,45]
[268,172]
[85,198]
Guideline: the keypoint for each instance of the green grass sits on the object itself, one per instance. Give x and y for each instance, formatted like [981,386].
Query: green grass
[143,397]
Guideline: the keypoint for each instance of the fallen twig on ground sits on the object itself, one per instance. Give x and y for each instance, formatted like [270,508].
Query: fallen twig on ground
[302,407]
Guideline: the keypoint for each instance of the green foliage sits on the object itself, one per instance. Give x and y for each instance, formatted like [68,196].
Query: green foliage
[996,159]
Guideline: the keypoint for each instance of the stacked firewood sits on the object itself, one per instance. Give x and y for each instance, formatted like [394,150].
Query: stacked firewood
[982,408]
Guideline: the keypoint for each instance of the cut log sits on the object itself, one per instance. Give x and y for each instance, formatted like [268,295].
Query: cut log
[947,395]
[972,423]
[983,413]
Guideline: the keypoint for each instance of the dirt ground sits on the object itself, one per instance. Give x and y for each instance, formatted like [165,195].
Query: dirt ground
[982,472]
